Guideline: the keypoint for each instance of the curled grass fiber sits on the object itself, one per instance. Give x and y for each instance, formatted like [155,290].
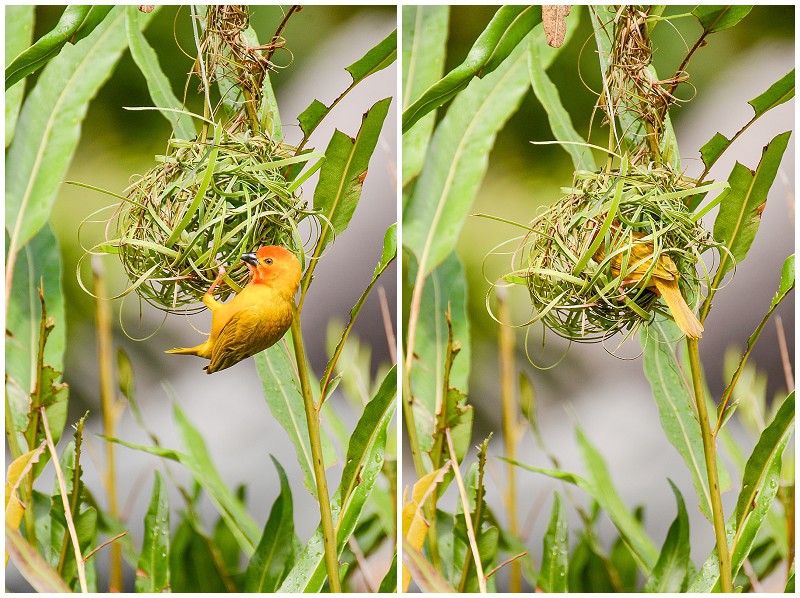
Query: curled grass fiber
[204,205]
[565,259]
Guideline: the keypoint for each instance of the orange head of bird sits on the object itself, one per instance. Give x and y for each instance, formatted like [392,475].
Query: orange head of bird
[274,265]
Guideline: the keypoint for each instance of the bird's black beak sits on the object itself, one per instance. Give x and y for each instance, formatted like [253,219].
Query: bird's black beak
[250,258]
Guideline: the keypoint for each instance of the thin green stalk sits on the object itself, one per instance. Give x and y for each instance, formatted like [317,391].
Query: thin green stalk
[509,421]
[710,450]
[108,410]
[76,492]
[312,415]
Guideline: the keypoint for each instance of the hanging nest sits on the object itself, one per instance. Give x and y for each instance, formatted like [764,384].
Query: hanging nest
[576,258]
[203,206]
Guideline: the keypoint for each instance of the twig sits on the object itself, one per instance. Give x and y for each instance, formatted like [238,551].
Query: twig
[505,562]
[109,410]
[785,360]
[473,543]
[710,450]
[387,325]
[361,561]
[279,30]
[312,416]
[104,544]
[62,486]
[509,414]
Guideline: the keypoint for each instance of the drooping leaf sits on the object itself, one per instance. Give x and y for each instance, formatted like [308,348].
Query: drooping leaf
[19,33]
[718,18]
[18,469]
[152,570]
[51,118]
[425,31]
[308,573]
[553,573]
[496,43]
[540,56]
[740,214]
[157,83]
[282,393]
[341,177]
[672,567]
[376,59]
[75,23]
[675,401]
[457,160]
[424,573]
[274,556]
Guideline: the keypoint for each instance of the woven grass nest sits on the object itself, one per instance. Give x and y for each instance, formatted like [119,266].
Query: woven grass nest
[565,259]
[204,205]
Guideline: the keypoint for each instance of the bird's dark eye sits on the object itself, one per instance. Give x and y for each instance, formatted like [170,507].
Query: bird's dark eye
[269,261]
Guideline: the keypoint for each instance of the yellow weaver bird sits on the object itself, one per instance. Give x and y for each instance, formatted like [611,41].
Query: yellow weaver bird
[257,317]
[663,282]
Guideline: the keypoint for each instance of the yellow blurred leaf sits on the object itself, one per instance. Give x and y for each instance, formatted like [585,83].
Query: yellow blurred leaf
[16,472]
[415,527]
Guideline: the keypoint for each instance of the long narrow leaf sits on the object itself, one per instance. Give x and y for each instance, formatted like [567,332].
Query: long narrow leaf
[19,33]
[274,555]
[496,43]
[424,40]
[51,117]
[676,410]
[457,161]
[669,574]
[152,570]
[157,83]
[740,214]
[553,573]
[31,565]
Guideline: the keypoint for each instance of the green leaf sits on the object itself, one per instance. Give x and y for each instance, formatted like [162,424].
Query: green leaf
[199,462]
[672,568]
[376,59]
[75,23]
[445,287]
[779,92]
[19,33]
[152,570]
[761,482]
[540,56]
[341,177]
[425,31]
[740,214]
[389,581]
[51,117]
[769,448]
[553,573]
[274,556]
[157,83]
[365,435]
[718,18]
[32,565]
[308,573]
[39,260]
[282,393]
[458,158]
[676,409]
[624,562]
[494,46]
[629,526]
[194,567]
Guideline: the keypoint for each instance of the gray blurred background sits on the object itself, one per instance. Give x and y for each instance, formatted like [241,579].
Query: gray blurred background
[606,396]
[228,408]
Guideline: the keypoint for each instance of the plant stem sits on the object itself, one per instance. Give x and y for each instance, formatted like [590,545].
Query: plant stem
[509,413]
[312,415]
[710,450]
[108,409]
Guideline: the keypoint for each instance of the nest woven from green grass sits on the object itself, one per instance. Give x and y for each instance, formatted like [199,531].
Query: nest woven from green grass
[565,260]
[202,206]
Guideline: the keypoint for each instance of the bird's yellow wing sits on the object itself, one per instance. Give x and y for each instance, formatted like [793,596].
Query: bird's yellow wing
[249,331]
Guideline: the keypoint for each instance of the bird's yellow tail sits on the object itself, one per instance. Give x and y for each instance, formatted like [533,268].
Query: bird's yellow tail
[186,351]
[684,317]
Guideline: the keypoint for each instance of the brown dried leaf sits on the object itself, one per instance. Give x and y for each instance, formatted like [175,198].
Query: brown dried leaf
[555,25]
